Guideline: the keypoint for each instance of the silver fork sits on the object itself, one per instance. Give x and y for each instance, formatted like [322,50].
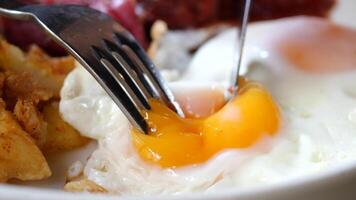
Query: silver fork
[107,50]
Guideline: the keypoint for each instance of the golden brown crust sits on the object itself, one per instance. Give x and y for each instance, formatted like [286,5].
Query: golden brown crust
[46,73]
[84,185]
[22,85]
[60,135]
[20,158]
[30,121]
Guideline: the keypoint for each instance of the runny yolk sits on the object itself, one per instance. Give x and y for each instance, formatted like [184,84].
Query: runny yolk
[174,141]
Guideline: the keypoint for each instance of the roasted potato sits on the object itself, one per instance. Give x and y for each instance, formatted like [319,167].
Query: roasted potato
[30,121]
[84,185]
[21,85]
[46,72]
[60,135]
[31,86]
[20,158]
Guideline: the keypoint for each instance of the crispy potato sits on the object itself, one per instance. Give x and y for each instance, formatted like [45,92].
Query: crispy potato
[21,85]
[31,121]
[30,84]
[50,132]
[31,81]
[60,135]
[20,158]
[47,72]
[84,185]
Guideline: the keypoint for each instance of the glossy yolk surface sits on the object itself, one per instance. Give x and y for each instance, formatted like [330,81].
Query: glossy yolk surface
[175,142]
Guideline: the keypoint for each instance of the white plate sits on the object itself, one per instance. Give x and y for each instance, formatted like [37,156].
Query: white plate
[337,183]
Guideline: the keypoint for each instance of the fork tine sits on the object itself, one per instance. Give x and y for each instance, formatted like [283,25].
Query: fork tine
[123,62]
[120,91]
[116,72]
[139,65]
[152,77]
[137,69]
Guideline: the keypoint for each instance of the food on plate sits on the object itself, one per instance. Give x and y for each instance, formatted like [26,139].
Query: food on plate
[60,135]
[31,123]
[84,185]
[44,74]
[302,122]
[294,114]
[175,142]
[20,157]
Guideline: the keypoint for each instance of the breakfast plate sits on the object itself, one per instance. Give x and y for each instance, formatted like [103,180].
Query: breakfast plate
[300,151]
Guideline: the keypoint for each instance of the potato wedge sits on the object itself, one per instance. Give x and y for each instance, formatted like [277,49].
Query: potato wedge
[21,85]
[60,135]
[47,72]
[31,120]
[20,158]
[84,185]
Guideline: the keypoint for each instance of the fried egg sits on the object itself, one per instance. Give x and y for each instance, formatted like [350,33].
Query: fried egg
[306,67]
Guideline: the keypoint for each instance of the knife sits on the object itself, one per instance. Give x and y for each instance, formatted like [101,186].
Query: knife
[241,35]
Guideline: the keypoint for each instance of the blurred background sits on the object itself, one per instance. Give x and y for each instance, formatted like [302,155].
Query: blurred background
[139,15]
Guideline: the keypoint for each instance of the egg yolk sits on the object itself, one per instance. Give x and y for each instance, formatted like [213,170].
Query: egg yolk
[173,141]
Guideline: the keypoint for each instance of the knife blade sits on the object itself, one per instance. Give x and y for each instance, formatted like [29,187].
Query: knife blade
[241,35]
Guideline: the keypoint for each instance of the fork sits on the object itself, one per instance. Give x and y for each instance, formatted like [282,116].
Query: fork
[107,50]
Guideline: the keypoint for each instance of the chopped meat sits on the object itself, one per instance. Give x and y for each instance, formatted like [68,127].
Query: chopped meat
[272,9]
[180,14]
[24,34]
